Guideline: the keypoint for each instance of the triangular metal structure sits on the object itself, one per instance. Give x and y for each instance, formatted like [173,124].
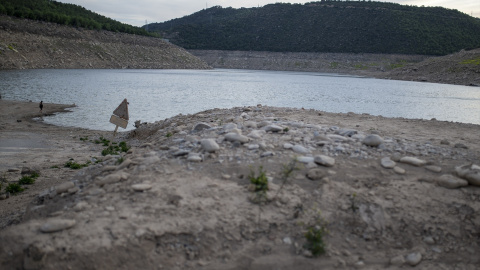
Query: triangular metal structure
[122,110]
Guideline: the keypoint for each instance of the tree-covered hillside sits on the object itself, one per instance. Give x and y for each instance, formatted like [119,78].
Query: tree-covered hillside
[326,26]
[65,14]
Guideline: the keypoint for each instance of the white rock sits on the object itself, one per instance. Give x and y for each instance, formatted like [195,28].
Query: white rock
[387,163]
[372,140]
[253,146]
[273,128]
[399,170]
[141,187]
[450,181]
[305,160]
[256,134]
[413,259]
[324,160]
[469,173]
[56,225]
[413,161]
[64,187]
[287,145]
[234,137]
[209,145]
[194,158]
[250,124]
[300,149]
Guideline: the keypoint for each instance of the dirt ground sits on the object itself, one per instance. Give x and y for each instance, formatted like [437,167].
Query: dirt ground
[384,193]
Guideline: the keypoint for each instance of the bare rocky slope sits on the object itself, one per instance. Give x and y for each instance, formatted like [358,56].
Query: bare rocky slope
[27,44]
[462,68]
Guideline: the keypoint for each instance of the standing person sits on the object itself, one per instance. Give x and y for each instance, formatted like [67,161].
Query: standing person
[41,106]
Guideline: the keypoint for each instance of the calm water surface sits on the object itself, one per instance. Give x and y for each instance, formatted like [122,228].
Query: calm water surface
[158,94]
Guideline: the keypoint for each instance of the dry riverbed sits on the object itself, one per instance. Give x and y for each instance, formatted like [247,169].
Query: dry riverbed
[382,192]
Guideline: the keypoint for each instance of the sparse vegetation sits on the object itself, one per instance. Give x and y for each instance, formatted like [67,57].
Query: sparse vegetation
[26,180]
[14,188]
[115,149]
[315,235]
[75,166]
[259,185]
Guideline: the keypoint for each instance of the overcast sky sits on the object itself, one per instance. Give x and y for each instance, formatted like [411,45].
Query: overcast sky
[136,12]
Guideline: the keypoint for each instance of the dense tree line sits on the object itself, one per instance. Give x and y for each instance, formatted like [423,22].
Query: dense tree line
[326,26]
[65,14]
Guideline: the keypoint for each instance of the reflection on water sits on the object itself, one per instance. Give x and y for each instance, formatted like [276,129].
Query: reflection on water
[158,94]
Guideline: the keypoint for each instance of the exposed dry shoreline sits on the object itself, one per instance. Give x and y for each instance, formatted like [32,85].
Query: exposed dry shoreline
[196,210]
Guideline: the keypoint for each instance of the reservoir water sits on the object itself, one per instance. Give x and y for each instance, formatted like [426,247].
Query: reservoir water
[158,94]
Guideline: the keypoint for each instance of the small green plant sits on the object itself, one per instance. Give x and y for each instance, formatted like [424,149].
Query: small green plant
[120,160]
[315,243]
[260,182]
[353,202]
[55,167]
[286,129]
[315,234]
[14,188]
[475,61]
[35,175]
[114,149]
[75,166]
[83,139]
[103,141]
[168,135]
[26,180]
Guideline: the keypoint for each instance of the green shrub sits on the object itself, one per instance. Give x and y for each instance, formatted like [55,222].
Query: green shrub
[26,180]
[260,182]
[75,166]
[14,188]
[315,243]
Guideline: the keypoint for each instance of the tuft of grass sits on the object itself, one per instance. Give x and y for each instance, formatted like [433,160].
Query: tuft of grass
[103,141]
[115,149]
[75,166]
[26,180]
[83,139]
[14,188]
[168,135]
[260,182]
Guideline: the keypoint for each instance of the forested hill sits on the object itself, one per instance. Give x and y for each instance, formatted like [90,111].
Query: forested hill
[327,26]
[65,14]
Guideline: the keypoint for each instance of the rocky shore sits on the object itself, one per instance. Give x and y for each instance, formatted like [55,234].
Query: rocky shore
[381,193]
[462,68]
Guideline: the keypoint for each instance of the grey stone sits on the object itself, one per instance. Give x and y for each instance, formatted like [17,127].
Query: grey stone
[250,124]
[287,145]
[433,168]
[305,160]
[194,158]
[201,126]
[273,128]
[413,258]
[256,134]
[180,153]
[450,181]
[399,170]
[469,172]
[460,145]
[316,174]
[300,149]
[64,187]
[373,140]
[346,132]
[413,161]
[387,163]
[209,145]
[141,187]
[397,260]
[112,178]
[234,137]
[324,160]
[56,225]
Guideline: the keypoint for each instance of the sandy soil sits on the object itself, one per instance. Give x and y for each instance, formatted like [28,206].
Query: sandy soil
[182,199]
